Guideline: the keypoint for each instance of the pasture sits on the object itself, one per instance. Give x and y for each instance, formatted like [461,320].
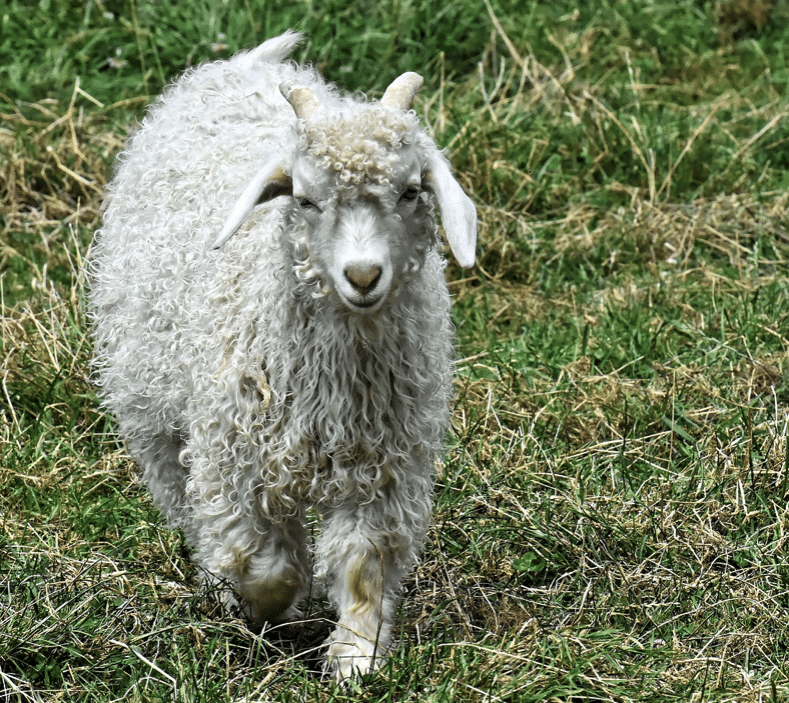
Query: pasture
[611,516]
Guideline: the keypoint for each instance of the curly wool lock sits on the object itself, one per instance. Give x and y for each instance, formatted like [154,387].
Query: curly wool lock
[379,134]
[272,331]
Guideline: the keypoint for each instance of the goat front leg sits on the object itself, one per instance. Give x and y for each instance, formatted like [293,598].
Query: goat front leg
[266,565]
[365,552]
[264,559]
[363,589]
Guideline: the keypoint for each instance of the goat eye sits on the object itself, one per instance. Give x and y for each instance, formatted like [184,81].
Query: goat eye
[409,194]
[307,204]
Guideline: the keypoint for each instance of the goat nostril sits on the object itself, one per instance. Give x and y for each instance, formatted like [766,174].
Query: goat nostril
[363,278]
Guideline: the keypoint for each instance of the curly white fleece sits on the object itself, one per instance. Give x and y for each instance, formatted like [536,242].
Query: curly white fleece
[244,385]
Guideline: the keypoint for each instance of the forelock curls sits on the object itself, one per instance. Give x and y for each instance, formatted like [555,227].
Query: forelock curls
[361,145]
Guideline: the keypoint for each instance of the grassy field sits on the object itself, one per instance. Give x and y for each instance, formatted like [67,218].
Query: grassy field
[612,514]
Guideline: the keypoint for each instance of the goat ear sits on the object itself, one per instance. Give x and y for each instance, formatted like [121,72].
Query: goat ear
[269,182]
[458,214]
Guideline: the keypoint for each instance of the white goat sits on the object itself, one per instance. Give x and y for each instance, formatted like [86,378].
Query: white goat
[304,361]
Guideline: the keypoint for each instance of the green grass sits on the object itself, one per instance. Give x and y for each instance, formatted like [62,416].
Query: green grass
[612,512]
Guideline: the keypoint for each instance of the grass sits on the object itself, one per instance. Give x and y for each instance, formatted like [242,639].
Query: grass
[611,520]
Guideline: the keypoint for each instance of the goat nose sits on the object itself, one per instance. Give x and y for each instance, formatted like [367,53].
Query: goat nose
[363,277]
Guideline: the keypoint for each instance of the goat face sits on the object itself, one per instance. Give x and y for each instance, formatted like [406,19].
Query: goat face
[364,239]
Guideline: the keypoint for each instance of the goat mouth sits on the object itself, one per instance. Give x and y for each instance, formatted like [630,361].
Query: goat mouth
[365,304]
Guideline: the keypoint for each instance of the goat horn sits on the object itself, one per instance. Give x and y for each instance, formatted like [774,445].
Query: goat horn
[301,99]
[402,91]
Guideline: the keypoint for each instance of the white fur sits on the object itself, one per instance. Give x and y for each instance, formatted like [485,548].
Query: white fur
[307,358]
